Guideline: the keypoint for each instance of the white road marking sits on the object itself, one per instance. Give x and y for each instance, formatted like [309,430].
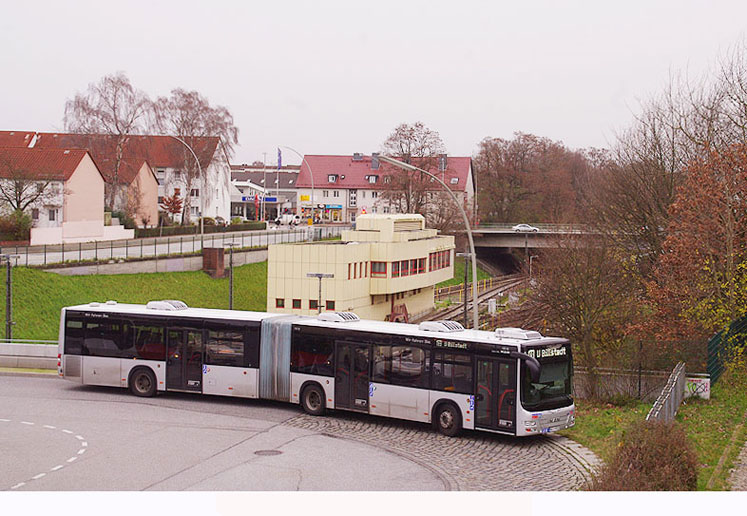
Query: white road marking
[81,451]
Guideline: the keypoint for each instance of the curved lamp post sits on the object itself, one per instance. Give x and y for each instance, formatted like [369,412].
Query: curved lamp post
[412,168]
[202,187]
[311,173]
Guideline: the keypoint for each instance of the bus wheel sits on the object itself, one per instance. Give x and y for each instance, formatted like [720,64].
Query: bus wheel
[143,383]
[448,420]
[312,400]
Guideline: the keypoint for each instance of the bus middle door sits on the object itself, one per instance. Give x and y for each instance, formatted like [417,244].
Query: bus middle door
[495,398]
[184,360]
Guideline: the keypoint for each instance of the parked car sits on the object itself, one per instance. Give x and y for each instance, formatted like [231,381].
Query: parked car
[525,228]
[289,219]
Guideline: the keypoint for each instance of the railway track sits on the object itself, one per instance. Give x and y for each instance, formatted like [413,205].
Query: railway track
[454,312]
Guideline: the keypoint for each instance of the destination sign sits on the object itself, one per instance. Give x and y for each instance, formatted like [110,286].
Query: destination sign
[451,344]
[547,352]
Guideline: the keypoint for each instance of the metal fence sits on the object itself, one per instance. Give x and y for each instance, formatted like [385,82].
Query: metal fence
[162,246]
[666,405]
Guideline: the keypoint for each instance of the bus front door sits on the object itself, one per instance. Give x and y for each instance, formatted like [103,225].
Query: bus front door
[351,376]
[184,360]
[495,399]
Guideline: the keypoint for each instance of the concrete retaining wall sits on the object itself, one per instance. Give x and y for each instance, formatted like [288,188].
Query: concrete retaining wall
[179,264]
[33,356]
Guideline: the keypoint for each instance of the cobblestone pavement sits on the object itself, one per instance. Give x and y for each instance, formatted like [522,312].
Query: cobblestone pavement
[473,461]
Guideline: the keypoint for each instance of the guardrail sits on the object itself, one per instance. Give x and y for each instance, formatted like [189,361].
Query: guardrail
[666,405]
[28,353]
[162,246]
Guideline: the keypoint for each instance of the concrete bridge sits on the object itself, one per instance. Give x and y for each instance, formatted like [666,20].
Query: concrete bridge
[503,236]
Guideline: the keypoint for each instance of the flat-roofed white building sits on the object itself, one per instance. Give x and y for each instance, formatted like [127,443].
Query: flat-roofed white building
[386,269]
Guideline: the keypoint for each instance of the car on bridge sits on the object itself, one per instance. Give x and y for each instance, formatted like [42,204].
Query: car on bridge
[525,228]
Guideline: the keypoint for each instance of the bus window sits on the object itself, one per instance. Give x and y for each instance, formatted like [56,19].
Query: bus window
[452,372]
[104,338]
[401,365]
[73,336]
[312,354]
[225,348]
[146,343]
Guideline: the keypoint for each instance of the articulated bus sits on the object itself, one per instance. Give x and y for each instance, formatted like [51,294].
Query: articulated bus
[509,381]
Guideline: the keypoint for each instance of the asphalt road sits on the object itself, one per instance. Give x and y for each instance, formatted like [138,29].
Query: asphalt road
[57,435]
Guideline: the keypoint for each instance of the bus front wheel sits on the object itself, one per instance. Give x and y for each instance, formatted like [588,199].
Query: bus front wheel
[143,383]
[312,400]
[448,420]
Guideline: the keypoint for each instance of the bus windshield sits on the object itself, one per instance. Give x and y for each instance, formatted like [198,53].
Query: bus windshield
[553,389]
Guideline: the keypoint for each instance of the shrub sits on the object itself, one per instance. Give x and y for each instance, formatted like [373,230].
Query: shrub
[652,456]
[16,225]
[237,220]
[124,219]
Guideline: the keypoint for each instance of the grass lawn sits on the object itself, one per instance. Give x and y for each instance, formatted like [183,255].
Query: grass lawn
[38,296]
[710,425]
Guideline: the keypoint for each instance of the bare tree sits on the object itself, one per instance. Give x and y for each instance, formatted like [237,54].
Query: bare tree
[113,107]
[189,115]
[20,188]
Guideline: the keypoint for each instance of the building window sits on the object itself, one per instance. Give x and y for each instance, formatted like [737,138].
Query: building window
[297,304]
[35,213]
[177,174]
[378,269]
[374,195]
[194,192]
[52,214]
[279,303]
[454,180]
[373,179]
[386,209]
[395,269]
[348,271]
[313,304]
[335,193]
[177,191]
[330,305]
[332,178]
[421,265]
[404,268]
[325,193]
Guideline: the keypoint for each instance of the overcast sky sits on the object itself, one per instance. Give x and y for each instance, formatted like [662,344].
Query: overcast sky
[335,77]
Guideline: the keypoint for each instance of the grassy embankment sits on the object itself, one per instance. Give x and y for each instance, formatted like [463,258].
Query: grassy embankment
[38,296]
[713,427]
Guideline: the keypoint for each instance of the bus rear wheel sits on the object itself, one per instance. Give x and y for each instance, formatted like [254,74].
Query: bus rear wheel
[312,400]
[448,420]
[143,383]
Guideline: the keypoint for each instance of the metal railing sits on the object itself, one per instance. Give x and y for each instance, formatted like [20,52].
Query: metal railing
[666,405]
[542,227]
[162,246]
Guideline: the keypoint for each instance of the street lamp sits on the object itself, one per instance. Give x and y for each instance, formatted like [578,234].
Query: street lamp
[466,257]
[230,274]
[202,188]
[9,295]
[319,275]
[311,173]
[412,168]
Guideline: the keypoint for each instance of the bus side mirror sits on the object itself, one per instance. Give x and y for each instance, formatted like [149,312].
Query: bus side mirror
[532,364]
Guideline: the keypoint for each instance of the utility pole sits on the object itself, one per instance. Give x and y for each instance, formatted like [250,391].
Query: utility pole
[8,295]
[466,256]
[230,275]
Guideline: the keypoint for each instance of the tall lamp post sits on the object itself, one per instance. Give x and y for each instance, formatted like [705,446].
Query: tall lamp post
[412,168]
[230,274]
[202,188]
[8,295]
[311,173]
[319,275]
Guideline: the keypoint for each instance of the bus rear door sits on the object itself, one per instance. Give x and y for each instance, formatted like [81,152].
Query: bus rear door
[495,397]
[184,359]
[351,375]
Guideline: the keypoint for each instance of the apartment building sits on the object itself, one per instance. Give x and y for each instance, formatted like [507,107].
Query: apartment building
[384,269]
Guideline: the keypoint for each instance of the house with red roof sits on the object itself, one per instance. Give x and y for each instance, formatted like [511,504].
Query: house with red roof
[339,188]
[174,167]
[70,204]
